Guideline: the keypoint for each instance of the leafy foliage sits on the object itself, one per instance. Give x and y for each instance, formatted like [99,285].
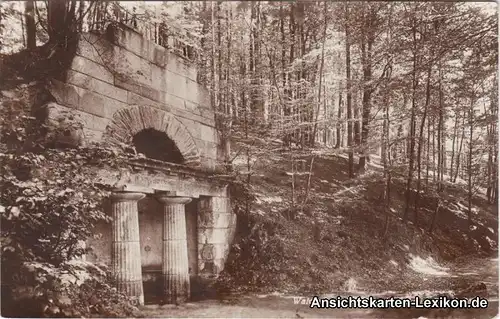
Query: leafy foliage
[74,289]
[50,200]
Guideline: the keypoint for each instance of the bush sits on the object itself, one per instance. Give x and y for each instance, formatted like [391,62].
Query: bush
[74,289]
[50,200]
[257,258]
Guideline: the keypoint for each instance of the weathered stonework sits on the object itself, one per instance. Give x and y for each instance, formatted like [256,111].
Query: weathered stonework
[118,85]
[175,269]
[162,181]
[126,81]
[126,262]
[216,226]
[130,121]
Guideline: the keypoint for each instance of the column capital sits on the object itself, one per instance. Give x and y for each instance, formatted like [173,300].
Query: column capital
[126,196]
[171,200]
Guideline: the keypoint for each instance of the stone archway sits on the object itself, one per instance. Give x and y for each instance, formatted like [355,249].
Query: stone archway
[126,123]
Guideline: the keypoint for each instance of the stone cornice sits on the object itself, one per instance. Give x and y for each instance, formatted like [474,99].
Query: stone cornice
[151,177]
[178,170]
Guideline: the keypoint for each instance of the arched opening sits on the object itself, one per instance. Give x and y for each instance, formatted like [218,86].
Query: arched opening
[157,145]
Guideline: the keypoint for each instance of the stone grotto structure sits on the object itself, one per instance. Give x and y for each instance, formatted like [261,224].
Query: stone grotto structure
[172,222]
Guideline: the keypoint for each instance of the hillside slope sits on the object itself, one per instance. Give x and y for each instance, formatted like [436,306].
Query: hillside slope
[337,240]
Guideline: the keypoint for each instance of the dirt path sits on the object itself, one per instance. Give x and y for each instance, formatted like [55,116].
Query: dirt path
[251,307]
[279,306]
[483,270]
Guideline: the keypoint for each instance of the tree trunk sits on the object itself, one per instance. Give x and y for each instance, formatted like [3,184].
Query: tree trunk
[469,162]
[357,128]
[434,217]
[283,71]
[29,14]
[322,64]
[228,106]
[420,142]
[434,148]
[428,145]
[339,122]
[288,112]
[367,39]
[202,74]
[460,149]
[252,68]
[440,140]
[259,94]
[220,103]
[348,93]
[61,20]
[455,129]
[412,126]
[213,88]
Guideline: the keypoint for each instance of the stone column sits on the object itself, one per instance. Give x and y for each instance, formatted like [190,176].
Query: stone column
[126,252]
[175,267]
[216,227]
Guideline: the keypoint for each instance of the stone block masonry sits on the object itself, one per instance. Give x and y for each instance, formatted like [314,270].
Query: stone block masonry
[119,86]
[216,226]
[121,70]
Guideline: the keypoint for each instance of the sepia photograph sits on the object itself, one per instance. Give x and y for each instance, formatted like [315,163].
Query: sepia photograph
[249,159]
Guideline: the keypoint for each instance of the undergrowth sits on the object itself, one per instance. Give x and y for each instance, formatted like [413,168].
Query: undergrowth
[336,240]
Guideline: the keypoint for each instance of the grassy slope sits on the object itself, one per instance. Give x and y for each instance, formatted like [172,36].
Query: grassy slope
[339,234]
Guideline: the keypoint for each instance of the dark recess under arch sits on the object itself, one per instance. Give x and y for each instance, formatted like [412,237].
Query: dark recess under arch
[157,145]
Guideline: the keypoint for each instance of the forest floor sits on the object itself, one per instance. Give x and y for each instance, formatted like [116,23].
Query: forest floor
[277,305]
[336,241]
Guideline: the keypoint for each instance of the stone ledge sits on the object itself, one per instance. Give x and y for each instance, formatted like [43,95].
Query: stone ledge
[87,101]
[176,84]
[89,121]
[158,78]
[196,93]
[177,169]
[160,180]
[134,42]
[174,101]
[203,120]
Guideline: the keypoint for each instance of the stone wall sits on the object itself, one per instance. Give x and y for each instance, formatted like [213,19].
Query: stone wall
[122,70]
[119,84]
[216,227]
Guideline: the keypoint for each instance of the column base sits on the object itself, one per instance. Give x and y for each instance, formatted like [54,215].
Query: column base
[176,289]
[133,289]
